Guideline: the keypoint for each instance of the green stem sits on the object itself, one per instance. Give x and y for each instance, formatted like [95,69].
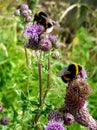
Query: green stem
[48,79]
[48,75]
[40,86]
[35,120]
[40,83]
[26,56]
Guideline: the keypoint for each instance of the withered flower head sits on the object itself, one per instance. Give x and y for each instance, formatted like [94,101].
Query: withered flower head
[55,115]
[68,118]
[84,118]
[77,93]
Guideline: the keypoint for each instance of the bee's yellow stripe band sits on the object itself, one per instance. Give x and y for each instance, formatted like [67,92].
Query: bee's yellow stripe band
[76,67]
[66,78]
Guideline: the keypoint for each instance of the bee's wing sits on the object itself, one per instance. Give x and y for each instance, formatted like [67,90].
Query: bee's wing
[50,20]
[63,72]
[44,17]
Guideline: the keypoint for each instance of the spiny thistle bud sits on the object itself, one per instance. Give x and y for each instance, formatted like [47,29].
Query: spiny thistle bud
[52,38]
[54,42]
[45,45]
[4,121]
[31,44]
[55,115]
[24,7]
[56,54]
[54,125]
[68,118]
[84,118]
[28,18]
[17,12]
[76,95]
[24,13]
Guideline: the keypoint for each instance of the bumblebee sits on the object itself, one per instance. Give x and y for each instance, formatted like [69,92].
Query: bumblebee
[69,73]
[43,19]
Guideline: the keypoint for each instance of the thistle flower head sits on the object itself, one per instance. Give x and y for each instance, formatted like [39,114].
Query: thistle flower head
[53,125]
[77,93]
[28,18]
[56,54]
[24,6]
[31,44]
[17,12]
[54,42]
[33,31]
[55,115]
[45,44]
[24,13]
[52,38]
[84,118]
[68,118]
[4,121]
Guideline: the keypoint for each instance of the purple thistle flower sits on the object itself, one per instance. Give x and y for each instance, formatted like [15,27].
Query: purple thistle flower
[24,13]
[55,115]
[17,12]
[24,7]
[52,38]
[45,45]
[53,125]
[33,31]
[68,119]
[4,121]
[28,18]
[31,44]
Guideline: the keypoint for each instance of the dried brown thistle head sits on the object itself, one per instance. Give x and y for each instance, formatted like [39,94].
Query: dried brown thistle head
[76,95]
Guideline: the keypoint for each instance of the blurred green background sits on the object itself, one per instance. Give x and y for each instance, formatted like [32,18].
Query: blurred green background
[19,84]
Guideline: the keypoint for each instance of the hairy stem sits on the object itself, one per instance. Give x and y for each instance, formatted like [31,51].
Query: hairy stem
[48,75]
[35,120]
[48,79]
[40,83]
[26,56]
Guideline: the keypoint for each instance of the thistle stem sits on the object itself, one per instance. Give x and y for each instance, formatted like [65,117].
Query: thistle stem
[40,83]
[35,120]
[38,57]
[48,75]
[48,79]
[26,56]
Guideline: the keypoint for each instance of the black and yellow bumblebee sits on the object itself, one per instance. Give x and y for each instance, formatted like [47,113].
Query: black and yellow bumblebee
[43,19]
[69,73]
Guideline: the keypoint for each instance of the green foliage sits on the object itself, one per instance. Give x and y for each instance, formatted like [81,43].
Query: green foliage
[19,91]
